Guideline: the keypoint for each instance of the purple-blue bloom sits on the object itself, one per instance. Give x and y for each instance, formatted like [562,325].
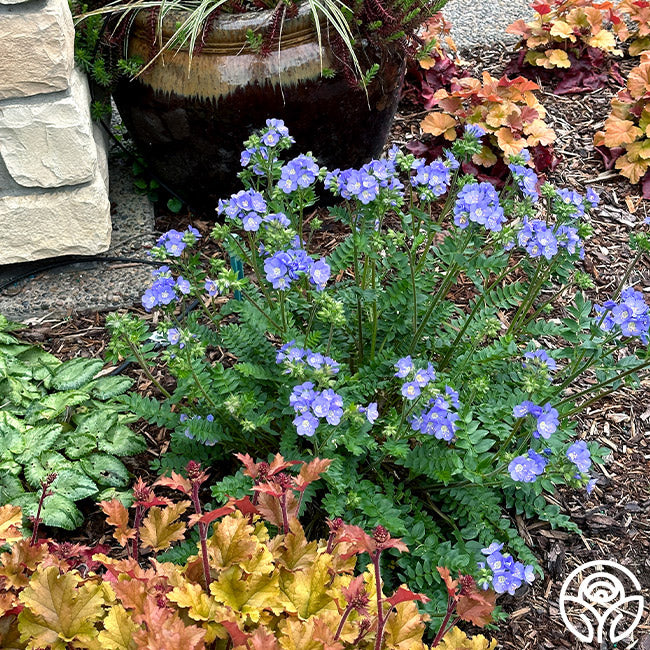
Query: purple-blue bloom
[578,453]
[539,359]
[479,203]
[526,180]
[404,367]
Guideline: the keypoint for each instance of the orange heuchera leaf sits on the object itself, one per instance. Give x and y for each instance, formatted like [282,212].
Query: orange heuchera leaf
[518,28]
[117,515]
[403,595]
[238,637]
[562,30]
[164,630]
[557,58]
[295,634]
[619,132]
[508,143]
[269,508]
[161,527]
[638,81]
[311,472]
[262,639]
[118,631]
[10,524]
[59,610]
[439,124]
[175,482]
[449,582]
[538,133]
[211,515]
[22,559]
[279,464]
[477,607]
[632,169]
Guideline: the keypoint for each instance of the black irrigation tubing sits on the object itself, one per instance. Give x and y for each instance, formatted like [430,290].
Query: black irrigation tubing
[69,261]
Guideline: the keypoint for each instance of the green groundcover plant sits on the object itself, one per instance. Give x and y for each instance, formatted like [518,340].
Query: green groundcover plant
[436,355]
[58,417]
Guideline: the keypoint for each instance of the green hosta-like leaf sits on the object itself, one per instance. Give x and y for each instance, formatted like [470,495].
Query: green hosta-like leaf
[57,510]
[75,485]
[106,388]
[39,467]
[10,487]
[96,422]
[55,405]
[41,363]
[105,470]
[39,439]
[75,373]
[79,445]
[121,441]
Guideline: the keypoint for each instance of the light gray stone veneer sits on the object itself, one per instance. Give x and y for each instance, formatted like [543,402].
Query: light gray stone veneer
[53,170]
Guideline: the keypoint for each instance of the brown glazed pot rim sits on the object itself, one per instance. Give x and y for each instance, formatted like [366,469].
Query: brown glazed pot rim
[228,32]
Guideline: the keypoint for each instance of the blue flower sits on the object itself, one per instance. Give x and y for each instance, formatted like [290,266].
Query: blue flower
[547,422]
[527,180]
[183,285]
[539,359]
[479,203]
[578,453]
[319,274]
[149,300]
[306,424]
[174,337]
[404,367]
[411,390]
[592,197]
[526,469]
[572,198]
[475,130]
[431,180]
[371,412]
[631,315]
[211,287]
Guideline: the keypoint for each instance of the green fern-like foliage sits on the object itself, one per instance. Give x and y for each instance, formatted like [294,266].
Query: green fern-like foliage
[59,417]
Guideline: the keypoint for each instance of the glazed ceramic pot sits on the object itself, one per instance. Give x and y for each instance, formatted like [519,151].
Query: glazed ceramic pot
[190,122]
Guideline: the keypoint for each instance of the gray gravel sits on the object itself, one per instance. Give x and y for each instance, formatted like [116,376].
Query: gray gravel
[484,22]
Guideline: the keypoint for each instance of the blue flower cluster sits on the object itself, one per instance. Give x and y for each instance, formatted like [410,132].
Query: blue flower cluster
[283,267]
[592,198]
[364,184]
[247,205]
[274,132]
[573,198]
[547,417]
[165,289]
[526,179]
[251,154]
[578,453]
[290,353]
[479,203]
[301,172]
[312,406]
[507,574]
[175,242]
[630,315]
[209,418]
[528,467]
[412,389]
[539,239]
[539,359]
[437,419]
[430,180]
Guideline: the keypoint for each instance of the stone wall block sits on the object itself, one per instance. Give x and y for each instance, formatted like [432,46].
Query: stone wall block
[36,47]
[72,221]
[47,140]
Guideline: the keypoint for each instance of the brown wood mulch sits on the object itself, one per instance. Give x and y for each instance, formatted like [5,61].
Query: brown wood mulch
[615,519]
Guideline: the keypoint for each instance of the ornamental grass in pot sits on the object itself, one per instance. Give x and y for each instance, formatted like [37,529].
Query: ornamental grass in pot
[215,70]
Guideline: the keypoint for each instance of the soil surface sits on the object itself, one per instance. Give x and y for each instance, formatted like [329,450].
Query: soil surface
[615,518]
